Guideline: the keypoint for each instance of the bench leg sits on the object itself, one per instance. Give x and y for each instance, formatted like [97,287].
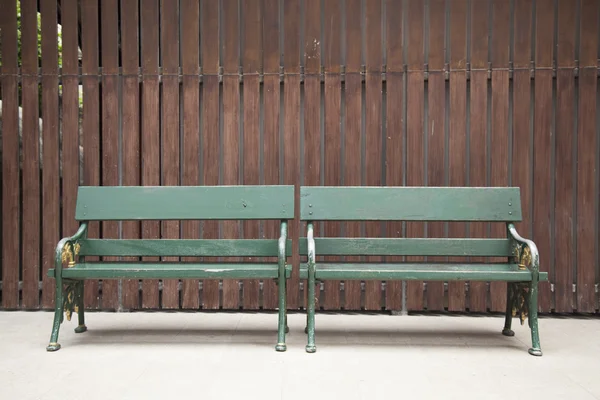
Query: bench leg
[80,309]
[535,349]
[507,331]
[58,317]
[282,325]
[310,312]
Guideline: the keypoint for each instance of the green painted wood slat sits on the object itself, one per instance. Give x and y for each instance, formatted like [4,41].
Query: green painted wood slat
[410,203]
[182,247]
[422,271]
[410,247]
[184,202]
[170,270]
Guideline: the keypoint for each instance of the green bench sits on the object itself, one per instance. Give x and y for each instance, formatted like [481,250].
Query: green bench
[520,265]
[109,203]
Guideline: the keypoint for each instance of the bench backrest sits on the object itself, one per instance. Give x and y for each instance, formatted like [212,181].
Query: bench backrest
[114,203]
[322,203]
[410,204]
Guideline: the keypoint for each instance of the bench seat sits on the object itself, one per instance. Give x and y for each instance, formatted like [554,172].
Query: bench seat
[421,271]
[173,270]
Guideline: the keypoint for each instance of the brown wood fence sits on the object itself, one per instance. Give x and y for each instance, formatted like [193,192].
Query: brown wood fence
[304,92]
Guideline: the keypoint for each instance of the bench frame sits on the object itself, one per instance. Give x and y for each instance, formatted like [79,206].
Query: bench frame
[318,204]
[250,206]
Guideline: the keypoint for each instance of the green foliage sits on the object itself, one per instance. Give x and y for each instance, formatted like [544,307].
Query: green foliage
[39,37]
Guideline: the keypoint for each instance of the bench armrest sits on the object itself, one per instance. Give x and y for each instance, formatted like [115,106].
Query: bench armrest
[311,244]
[534,265]
[66,248]
[283,244]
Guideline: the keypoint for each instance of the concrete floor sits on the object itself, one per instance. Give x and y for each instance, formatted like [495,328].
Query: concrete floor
[231,355]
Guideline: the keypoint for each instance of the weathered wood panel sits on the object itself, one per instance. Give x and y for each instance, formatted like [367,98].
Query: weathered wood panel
[478,149]
[252,17]
[150,126]
[271,123]
[91,121]
[333,117]
[415,155]
[587,159]
[457,141]
[11,199]
[109,19]
[30,200]
[395,132]
[50,196]
[170,149]
[543,139]
[190,174]
[209,35]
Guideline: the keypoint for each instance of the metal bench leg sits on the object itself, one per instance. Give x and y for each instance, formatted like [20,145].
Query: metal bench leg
[80,309]
[58,316]
[507,331]
[310,311]
[535,349]
[282,326]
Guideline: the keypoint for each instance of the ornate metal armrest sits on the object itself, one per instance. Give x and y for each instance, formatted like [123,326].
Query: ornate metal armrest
[68,248]
[526,251]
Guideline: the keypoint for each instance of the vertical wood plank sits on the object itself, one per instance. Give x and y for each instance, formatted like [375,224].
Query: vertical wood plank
[542,172]
[291,144]
[312,101]
[414,135]
[110,130]
[522,145]
[169,14]
[499,127]
[436,127]
[91,122]
[251,12]
[271,107]
[190,61]
[131,130]
[457,151]
[563,174]
[231,123]
[30,248]
[50,156]
[522,162]
[478,147]
[70,119]
[395,134]
[11,202]
[210,127]
[333,98]
[587,145]
[150,138]
[373,126]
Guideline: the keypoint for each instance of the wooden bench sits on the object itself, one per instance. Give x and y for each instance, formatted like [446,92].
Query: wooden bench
[171,203]
[518,265]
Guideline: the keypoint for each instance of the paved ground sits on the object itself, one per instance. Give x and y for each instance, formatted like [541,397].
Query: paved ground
[231,355]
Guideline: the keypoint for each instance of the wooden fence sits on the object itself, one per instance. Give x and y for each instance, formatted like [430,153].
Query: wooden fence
[304,92]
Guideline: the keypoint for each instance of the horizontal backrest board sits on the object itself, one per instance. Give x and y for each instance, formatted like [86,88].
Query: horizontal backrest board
[182,247]
[184,202]
[323,203]
[409,247]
